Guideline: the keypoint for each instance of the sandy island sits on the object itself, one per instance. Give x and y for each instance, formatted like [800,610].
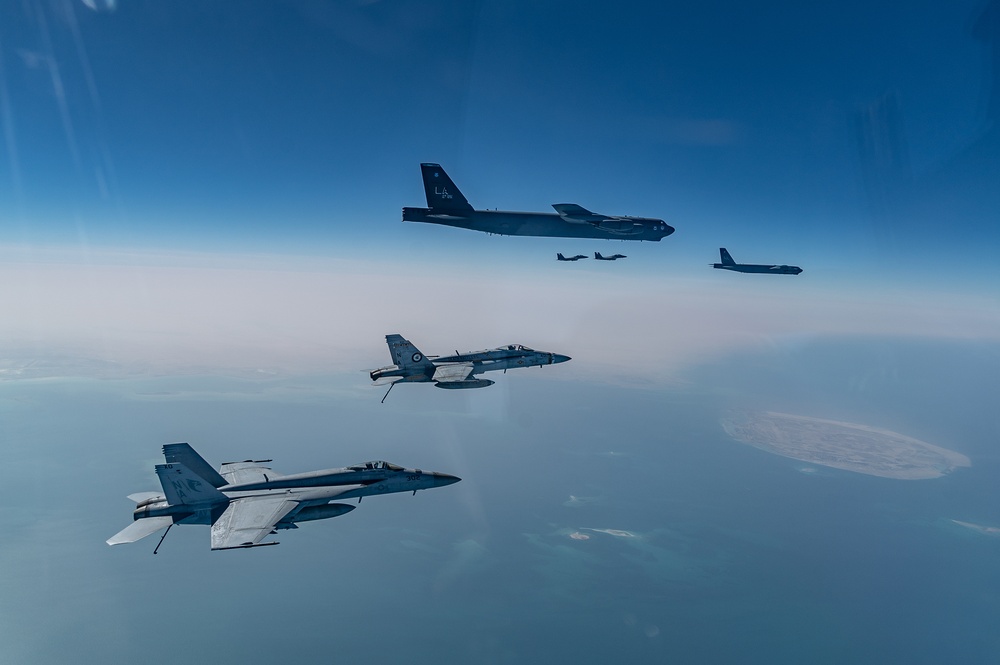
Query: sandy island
[841,445]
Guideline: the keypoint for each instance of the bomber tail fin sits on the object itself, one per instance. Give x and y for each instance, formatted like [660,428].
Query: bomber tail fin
[442,194]
[727,260]
[405,355]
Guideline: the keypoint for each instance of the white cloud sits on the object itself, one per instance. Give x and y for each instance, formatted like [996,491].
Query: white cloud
[169,313]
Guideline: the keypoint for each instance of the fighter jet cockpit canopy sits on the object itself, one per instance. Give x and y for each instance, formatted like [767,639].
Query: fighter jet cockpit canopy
[518,347]
[372,466]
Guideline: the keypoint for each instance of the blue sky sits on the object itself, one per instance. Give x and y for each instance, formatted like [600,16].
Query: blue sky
[201,201]
[299,126]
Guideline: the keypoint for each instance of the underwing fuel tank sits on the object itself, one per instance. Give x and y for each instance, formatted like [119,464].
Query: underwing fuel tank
[459,385]
[322,512]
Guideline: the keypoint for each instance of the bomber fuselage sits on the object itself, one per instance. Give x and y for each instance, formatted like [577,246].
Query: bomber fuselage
[508,223]
[759,268]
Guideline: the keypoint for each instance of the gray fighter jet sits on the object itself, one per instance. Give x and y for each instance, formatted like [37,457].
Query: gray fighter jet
[729,264]
[446,205]
[613,257]
[245,502]
[458,371]
[560,257]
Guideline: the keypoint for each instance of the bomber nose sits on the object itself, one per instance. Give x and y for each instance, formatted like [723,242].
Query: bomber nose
[442,479]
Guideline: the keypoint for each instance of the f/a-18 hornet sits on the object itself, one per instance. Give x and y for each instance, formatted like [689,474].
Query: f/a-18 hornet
[446,205]
[560,257]
[729,264]
[457,371]
[245,502]
[613,257]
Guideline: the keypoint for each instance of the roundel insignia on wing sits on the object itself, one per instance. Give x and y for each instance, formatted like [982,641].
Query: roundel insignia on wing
[417,357]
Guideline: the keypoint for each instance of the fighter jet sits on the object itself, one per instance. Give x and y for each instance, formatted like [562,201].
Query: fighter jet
[245,502]
[729,264]
[446,205]
[613,257]
[458,371]
[560,257]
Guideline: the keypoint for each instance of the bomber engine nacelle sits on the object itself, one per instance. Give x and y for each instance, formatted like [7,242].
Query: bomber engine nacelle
[460,385]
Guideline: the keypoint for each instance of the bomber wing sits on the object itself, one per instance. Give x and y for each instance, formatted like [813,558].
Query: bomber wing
[572,212]
[248,520]
[452,373]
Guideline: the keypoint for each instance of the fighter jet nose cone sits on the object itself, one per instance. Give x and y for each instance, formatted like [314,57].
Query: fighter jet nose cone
[442,479]
[559,358]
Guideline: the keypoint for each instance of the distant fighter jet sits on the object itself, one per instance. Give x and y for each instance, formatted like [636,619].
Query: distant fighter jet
[729,264]
[457,371]
[245,502]
[560,257]
[446,205]
[613,257]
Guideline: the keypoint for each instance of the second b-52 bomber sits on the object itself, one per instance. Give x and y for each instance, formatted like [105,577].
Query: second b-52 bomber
[729,264]
[446,205]
[458,371]
[244,502]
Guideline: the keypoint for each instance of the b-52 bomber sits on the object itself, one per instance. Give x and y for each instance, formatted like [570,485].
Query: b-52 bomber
[458,371]
[446,205]
[729,264]
[613,257]
[560,257]
[244,502]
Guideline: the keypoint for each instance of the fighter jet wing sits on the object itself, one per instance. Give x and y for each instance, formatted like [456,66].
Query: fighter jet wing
[241,473]
[447,373]
[249,520]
